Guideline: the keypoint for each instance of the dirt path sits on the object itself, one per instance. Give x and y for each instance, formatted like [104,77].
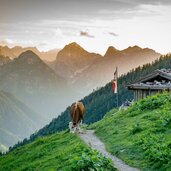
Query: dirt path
[94,142]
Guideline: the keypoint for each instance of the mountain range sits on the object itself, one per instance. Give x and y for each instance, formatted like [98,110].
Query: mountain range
[86,71]
[17,50]
[36,84]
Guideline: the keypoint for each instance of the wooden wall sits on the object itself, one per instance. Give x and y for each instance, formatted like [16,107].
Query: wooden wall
[140,94]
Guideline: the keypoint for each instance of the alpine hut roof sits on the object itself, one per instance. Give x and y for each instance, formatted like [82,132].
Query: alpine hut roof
[158,80]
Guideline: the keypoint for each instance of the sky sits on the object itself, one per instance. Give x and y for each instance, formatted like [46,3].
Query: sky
[94,24]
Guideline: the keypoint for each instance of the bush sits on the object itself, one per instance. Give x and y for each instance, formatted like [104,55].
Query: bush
[136,128]
[150,103]
[92,160]
[164,121]
[156,150]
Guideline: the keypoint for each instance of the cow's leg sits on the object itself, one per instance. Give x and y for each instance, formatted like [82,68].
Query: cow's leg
[79,127]
[70,126]
[74,129]
[81,122]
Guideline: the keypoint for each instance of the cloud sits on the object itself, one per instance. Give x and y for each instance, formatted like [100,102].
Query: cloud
[58,32]
[7,42]
[11,43]
[24,10]
[63,21]
[86,34]
[113,34]
[43,44]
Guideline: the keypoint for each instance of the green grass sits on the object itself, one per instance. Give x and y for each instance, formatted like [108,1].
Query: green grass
[140,135]
[58,152]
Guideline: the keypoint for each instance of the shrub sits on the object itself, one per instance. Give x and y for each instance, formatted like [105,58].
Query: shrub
[164,121]
[150,103]
[94,161]
[156,150]
[136,128]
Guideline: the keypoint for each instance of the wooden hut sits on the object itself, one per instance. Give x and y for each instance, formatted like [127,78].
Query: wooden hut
[158,81]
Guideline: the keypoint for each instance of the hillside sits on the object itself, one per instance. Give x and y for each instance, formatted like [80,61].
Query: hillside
[36,84]
[17,120]
[62,151]
[140,135]
[102,100]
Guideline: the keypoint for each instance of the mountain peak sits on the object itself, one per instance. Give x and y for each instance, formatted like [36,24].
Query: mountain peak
[74,44]
[132,49]
[71,50]
[28,53]
[136,47]
[73,47]
[29,56]
[4,47]
[111,51]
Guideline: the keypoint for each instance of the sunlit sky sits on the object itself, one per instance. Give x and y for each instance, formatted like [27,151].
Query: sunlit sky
[94,24]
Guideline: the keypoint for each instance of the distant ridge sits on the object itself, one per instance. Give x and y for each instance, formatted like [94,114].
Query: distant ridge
[17,120]
[36,84]
[73,47]
[17,50]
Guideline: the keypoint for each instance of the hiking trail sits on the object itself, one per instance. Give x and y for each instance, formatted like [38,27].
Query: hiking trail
[94,142]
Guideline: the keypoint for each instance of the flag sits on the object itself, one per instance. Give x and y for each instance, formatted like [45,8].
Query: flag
[114,81]
[114,86]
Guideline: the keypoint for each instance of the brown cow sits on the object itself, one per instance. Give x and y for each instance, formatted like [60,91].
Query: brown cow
[77,115]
